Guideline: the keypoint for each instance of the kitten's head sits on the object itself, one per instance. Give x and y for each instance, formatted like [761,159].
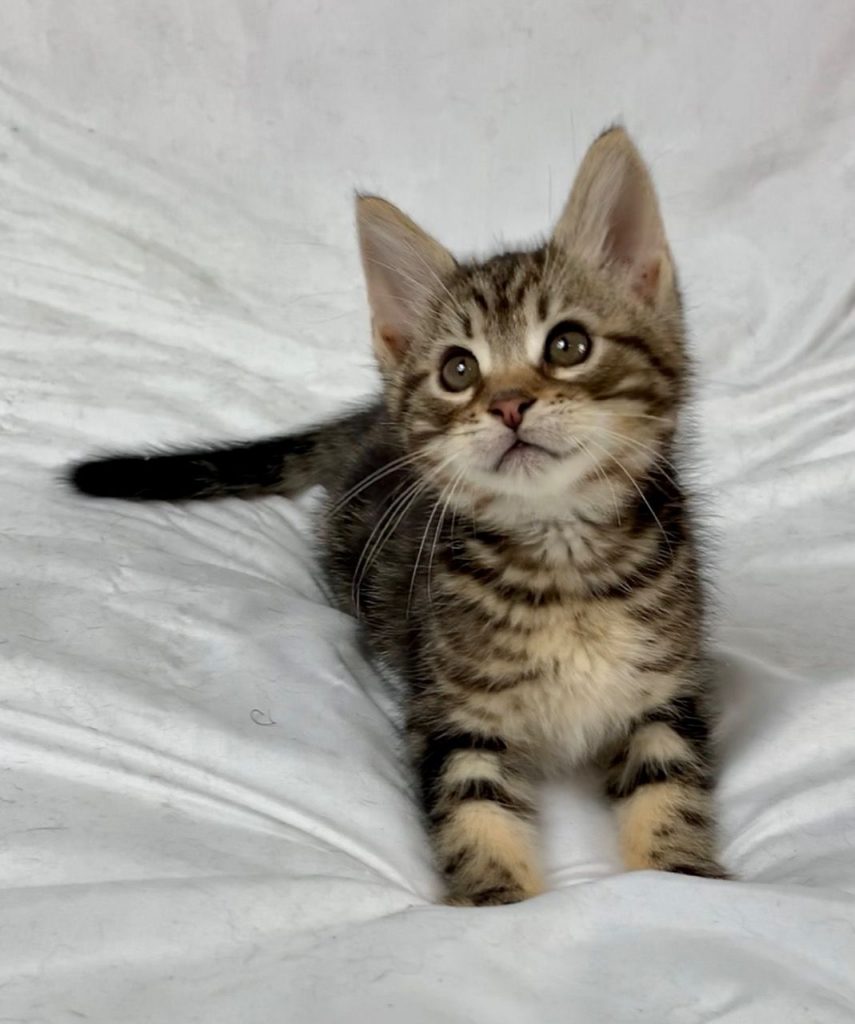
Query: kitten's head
[536,377]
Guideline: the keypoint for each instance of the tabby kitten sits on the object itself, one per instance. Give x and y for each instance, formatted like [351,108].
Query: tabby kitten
[506,523]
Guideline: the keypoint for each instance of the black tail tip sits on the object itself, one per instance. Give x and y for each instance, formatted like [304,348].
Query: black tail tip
[106,478]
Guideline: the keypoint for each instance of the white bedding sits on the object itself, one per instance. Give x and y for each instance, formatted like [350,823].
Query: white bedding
[203,815]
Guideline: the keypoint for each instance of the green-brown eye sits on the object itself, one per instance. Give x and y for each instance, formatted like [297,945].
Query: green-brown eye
[459,370]
[567,344]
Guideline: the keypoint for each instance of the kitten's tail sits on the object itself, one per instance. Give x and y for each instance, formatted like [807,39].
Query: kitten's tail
[280,465]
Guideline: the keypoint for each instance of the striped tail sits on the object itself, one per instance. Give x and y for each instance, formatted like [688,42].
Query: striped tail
[283,465]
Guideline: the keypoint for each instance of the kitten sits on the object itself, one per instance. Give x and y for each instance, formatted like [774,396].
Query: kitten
[506,523]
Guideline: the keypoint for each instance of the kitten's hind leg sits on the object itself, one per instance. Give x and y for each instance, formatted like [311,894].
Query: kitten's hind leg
[661,783]
[480,814]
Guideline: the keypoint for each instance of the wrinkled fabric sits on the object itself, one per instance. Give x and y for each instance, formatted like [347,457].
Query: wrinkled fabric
[203,810]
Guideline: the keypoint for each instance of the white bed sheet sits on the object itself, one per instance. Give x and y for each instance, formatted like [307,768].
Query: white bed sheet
[203,815]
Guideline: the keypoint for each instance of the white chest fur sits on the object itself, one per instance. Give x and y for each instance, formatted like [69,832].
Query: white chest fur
[583,657]
[585,684]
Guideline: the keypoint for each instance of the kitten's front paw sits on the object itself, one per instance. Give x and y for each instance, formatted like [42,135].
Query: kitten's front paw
[491,895]
[486,898]
[699,868]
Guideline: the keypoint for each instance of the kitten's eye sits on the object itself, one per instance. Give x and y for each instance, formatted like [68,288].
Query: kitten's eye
[567,344]
[459,370]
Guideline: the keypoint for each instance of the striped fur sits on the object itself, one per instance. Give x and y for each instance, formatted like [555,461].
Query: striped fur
[534,583]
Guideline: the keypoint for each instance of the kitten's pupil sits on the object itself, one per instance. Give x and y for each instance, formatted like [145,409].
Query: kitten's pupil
[567,344]
[459,370]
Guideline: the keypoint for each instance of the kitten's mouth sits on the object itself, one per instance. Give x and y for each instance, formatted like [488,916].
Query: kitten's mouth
[523,455]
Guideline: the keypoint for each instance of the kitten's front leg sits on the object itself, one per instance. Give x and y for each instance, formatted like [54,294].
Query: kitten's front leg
[480,815]
[661,783]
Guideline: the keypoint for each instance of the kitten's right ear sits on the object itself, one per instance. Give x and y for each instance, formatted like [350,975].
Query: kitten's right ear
[403,267]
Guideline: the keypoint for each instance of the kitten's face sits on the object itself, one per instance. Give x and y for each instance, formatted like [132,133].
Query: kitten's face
[532,376]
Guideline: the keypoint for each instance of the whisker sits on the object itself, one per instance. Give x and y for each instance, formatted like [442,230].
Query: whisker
[590,425]
[601,473]
[372,545]
[454,485]
[377,474]
[646,416]
[629,477]
[433,512]
[387,525]
[658,458]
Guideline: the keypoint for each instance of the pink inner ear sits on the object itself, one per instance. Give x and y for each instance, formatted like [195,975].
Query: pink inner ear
[392,341]
[625,229]
[645,278]
[627,244]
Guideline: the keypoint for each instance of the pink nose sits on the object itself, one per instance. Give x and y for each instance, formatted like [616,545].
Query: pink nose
[511,408]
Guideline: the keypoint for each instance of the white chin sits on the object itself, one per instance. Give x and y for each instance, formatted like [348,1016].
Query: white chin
[524,460]
[532,474]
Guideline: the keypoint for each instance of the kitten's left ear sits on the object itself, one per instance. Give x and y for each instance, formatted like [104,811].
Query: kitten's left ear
[404,267]
[612,219]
